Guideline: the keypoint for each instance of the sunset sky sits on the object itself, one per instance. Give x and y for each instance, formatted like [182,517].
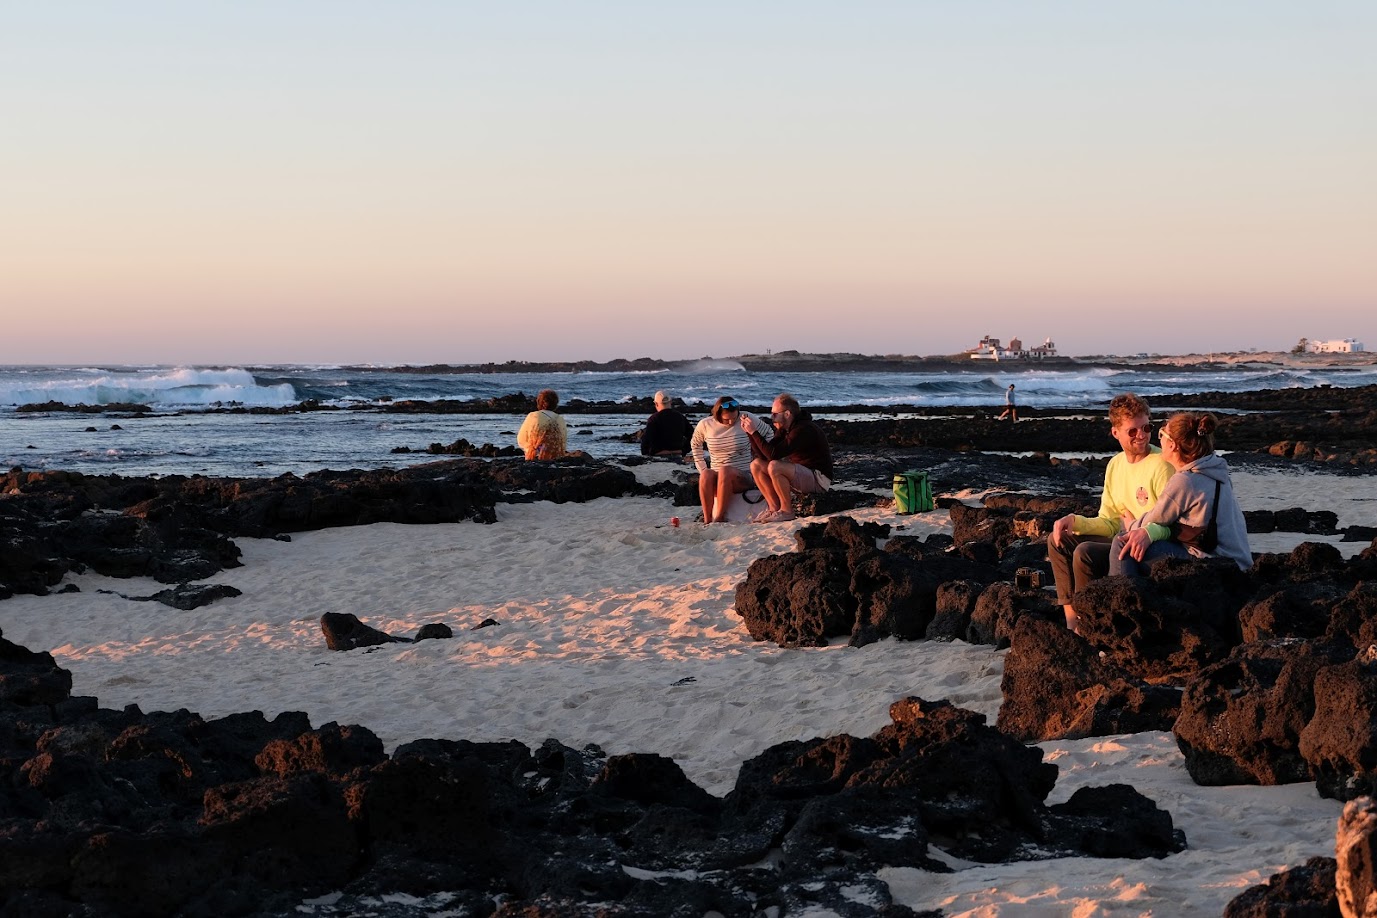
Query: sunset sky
[420,182]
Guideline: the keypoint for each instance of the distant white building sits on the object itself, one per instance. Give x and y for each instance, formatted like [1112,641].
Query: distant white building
[1339,346]
[990,349]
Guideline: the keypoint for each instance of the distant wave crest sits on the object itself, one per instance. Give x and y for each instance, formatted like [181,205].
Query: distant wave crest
[709,365]
[162,388]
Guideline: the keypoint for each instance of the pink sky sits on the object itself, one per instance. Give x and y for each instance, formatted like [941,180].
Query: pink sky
[427,184]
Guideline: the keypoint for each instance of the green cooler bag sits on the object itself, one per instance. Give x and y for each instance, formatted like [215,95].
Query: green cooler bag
[912,492]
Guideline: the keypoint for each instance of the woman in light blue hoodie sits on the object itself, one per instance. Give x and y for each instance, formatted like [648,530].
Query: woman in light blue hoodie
[1196,515]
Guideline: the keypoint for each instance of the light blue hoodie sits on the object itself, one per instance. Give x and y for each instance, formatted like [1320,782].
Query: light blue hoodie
[1188,499]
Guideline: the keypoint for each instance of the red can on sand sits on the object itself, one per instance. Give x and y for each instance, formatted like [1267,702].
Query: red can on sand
[674,521]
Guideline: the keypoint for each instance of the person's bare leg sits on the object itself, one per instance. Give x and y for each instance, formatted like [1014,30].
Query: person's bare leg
[781,474]
[760,473]
[730,482]
[707,490]
[726,487]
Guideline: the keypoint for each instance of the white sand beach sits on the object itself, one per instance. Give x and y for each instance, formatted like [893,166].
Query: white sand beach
[617,629]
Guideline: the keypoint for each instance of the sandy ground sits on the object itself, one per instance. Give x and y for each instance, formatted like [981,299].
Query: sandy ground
[618,629]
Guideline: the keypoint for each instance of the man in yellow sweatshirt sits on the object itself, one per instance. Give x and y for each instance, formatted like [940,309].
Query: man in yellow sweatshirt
[1079,545]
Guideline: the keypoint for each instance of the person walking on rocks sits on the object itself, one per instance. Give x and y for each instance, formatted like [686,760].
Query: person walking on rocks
[1079,546]
[1010,407]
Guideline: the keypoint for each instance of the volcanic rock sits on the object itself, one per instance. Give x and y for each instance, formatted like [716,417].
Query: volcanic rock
[1355,848]
[1298,610]
[122,812]
[1168,625]
[956,601]
[1304,891]
[799,599]
[841,532]
[1139,828]
[941,768]
[999,609]
[895,597]
[187,596]
[28,677]
[1340,741]
[571,480]
[833,500]
[839,584]
[344,631]
[1241,718]
[1056,686]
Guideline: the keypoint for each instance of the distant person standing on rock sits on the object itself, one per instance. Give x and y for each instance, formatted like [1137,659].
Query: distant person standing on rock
[1079,546]
[544,435]
[668,432]
[1010,409]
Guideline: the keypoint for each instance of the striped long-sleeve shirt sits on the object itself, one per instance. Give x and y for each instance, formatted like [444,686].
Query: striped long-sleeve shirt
[717,445]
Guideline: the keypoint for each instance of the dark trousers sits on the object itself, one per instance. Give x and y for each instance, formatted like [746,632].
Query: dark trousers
[1079,560]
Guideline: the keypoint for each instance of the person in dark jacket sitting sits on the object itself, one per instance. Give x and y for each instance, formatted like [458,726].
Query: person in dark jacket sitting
[667,432]
[796,460]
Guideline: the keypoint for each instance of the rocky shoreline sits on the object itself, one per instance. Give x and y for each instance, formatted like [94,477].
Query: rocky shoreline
[792,361]
[1259,675]
[126,812]
[176,528]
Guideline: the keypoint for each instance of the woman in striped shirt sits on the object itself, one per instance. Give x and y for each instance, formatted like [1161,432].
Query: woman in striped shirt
[722,453]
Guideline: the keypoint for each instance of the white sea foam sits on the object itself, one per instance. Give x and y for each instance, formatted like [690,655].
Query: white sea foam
[161,388]
[709,365]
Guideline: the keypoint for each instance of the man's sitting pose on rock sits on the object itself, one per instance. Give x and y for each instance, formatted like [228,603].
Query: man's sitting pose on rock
[668,432]
[1079,545]
[797,458]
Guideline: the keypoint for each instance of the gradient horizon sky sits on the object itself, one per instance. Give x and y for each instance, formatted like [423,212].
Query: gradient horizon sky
[459,182]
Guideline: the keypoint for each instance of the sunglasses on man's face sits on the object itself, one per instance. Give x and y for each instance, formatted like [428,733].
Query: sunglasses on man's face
[1134,433]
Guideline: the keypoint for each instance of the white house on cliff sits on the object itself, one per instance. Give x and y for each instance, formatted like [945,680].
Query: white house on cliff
[1339,346]
[990,349]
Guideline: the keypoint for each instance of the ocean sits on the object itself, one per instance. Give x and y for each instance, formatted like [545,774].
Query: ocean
[189,432]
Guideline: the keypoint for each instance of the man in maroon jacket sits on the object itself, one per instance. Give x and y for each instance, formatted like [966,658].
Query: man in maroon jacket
[797,459]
